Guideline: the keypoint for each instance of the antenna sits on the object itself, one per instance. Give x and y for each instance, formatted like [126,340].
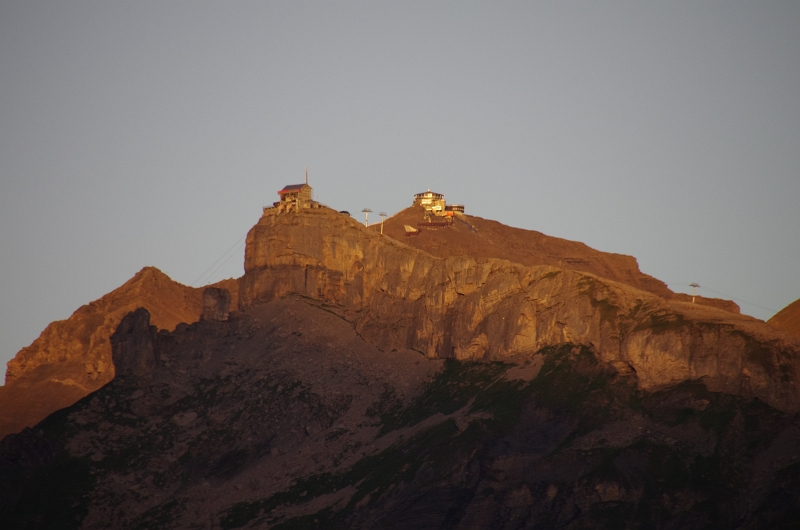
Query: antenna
[367,211]
[694,286]
[383,216]
[306,175]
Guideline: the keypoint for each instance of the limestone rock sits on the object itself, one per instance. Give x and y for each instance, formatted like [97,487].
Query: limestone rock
[483,238]
[216,304]
[133,345]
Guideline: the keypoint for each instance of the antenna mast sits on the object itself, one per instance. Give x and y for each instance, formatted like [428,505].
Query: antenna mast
[383,216]
[693,286]
[367,211]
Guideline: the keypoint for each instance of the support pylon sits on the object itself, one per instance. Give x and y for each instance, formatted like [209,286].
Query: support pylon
[693,286]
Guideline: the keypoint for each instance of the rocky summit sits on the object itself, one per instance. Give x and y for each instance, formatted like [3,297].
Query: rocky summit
[365,382]
[72,358]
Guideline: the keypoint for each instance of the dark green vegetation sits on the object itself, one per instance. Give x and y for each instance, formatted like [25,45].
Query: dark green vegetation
[578,446]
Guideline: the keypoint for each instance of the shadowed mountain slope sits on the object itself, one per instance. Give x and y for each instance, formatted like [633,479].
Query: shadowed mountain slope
[285,418]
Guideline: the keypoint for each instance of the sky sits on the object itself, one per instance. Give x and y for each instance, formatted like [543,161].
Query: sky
[145,133]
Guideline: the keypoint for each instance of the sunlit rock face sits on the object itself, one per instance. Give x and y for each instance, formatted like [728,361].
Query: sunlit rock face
[477,237]
[489,309]
[787,319]
[313,406]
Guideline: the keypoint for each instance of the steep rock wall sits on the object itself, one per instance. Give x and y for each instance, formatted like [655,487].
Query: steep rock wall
[399,297]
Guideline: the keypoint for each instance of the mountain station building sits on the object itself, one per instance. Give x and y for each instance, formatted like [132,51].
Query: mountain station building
[435,204]
[432,202]
[294,197]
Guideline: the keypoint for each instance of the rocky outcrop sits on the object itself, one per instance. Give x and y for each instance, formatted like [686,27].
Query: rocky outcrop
[216,304]
[133,345]
[468,308]
[72,357]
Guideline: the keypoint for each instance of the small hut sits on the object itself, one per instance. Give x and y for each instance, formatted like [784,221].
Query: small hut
[295,197]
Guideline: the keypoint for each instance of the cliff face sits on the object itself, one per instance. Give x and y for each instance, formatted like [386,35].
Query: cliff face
[473,309]
[72,357]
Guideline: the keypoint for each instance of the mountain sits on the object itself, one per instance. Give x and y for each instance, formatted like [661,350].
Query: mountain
[788,319]
[72,358]
[365,383]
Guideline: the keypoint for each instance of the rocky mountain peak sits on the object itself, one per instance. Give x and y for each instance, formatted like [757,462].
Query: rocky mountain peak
[73,357]
[368,383]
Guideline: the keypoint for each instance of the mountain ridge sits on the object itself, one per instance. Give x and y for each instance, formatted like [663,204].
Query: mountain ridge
[364,383]
[72,357]
[478,237]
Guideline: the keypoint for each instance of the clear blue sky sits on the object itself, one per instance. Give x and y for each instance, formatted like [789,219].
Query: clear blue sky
[151,133]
